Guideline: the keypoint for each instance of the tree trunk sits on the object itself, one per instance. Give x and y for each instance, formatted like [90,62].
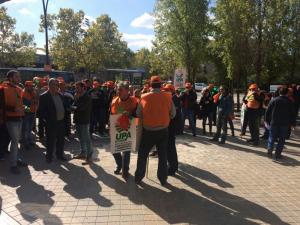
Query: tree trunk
[258,66]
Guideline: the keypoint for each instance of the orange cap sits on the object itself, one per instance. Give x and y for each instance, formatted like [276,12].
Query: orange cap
[155,79]
[29,83]
[110,84]
[169,87]
[96,84]
[188,85]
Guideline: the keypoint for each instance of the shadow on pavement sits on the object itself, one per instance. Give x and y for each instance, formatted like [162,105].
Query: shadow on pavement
[178,205]
[204,175]
[35,200]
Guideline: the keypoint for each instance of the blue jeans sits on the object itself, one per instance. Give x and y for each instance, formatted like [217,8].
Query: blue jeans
[84,138]
[190,115]
[280,133]
[27,126]
[14,129]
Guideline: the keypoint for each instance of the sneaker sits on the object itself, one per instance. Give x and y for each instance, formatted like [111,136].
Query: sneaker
[125,175]
[15,170]
[270,151]
[117,171]
[80,156]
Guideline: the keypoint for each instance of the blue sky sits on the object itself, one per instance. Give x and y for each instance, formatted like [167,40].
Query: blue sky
[132,16]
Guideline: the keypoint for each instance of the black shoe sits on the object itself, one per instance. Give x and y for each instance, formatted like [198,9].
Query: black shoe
[222,142]
[15,170]
[117,171]
[48,160]
[278,156]
[255,143]
[214,139]
[21,163]
[62,158]
[194,135]
[163,182]
[250,140]
[138,181]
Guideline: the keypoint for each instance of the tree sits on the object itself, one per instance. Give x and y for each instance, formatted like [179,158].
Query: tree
[16,49]
[103,46]
[142,59]
[66,44]
[182,27]
[7,28]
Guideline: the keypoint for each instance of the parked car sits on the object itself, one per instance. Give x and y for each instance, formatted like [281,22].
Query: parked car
[200,86]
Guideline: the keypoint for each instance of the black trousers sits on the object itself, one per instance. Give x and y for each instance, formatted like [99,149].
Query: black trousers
[55,134]
[4,140]
[119,160]
[231,126]
[67,122]
[172,152]
[41,128]
[253,115]
[149,139]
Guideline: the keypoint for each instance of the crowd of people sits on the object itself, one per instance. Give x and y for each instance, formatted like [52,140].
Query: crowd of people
[160,108]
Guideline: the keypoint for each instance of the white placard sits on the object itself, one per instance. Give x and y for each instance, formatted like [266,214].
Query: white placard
[122,133]
[179,78]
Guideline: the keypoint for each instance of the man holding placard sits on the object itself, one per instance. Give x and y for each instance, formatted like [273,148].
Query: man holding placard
[155,110]
[125,105]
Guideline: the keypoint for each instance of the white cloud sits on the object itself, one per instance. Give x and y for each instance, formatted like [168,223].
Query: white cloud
[16,2]
[144,21]
[25,12]
[139,40]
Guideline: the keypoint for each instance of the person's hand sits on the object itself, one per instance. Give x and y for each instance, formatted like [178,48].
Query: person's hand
[126,113]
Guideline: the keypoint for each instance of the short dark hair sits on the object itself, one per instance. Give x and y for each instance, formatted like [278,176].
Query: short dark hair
[283,91]
[156,85]
[11,73]
[80,83]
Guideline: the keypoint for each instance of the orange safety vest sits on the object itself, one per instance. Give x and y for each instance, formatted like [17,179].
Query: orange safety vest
[251,102]
[119,106]
[13,100]
[156,109]
[32,98]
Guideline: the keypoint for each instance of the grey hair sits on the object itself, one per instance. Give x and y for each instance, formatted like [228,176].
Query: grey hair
[123,84]
[52,80]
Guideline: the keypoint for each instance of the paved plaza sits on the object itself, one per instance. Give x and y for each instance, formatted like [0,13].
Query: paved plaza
[232,184]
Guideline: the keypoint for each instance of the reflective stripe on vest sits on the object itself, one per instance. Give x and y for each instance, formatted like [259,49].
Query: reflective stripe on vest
[156,109]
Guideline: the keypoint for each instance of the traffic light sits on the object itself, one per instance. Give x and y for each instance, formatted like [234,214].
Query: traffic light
[2,1]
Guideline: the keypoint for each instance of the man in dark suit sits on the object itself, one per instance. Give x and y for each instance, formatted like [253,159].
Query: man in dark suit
[52,111]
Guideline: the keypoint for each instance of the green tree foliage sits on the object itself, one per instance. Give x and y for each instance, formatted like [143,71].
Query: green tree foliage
[182,27]
[15,49]
[92,47]
[258,40]
[142,59]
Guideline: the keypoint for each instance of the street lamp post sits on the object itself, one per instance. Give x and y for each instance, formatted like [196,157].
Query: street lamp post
[45,8]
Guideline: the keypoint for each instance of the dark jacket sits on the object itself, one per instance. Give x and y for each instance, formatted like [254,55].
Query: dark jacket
[206,105]
[99,98]
[280,112]
[189,100]
[47,110]
[82,113]
[225,105]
